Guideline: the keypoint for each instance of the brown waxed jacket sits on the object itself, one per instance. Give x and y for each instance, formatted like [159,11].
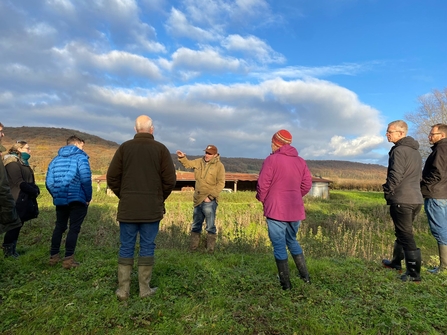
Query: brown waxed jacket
[142,175]
[8,214]
[210,177]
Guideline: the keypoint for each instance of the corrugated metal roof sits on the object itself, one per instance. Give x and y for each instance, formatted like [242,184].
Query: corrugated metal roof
[189,176]
[229,176]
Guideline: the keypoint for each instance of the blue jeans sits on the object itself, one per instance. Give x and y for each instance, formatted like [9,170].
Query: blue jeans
[128,238]
[283,234]
[205,211]
[436,210]
[403,216]
[75,212]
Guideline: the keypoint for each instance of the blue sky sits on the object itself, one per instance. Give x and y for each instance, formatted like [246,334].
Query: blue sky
[223,72]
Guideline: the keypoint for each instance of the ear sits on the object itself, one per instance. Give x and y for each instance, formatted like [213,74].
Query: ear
[151,131]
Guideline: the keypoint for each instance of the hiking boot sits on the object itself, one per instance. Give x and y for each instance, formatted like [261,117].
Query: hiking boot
[54,259]
[69,263]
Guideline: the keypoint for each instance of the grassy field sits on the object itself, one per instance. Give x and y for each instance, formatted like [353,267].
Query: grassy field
[234,291]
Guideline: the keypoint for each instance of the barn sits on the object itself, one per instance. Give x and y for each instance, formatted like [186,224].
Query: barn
[237,182]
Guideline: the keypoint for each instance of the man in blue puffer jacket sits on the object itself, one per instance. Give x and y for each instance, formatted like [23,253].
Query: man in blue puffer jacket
[69,181]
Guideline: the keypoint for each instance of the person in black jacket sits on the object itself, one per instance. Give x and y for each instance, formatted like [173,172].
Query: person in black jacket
[434,191]
[23,189]
[403,193]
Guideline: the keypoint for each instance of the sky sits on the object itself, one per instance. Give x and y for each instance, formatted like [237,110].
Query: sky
[224,72]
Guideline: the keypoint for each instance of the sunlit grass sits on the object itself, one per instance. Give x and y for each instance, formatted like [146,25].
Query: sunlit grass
[234,291]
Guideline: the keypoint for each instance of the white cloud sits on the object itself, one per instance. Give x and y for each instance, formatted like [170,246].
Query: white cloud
[206,60]
[114,62]
[291,72]
[179,26]
[254,47]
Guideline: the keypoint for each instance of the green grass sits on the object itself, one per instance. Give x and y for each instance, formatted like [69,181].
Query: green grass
[234,291]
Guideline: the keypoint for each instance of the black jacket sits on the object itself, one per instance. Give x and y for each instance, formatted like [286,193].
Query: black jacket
[434,175]
[404,173]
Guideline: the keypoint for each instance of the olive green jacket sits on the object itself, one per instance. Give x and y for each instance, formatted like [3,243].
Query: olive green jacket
[210,178]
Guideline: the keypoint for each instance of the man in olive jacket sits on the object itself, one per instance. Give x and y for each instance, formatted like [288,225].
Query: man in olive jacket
[434,191]
[209,173]
[142,175]
[403,193]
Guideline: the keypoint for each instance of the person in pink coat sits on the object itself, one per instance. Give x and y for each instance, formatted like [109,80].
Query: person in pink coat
[283,181]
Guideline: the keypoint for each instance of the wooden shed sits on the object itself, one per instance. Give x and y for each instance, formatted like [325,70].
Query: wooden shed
[237,182]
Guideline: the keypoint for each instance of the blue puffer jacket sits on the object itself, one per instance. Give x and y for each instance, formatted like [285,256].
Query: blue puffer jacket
[69,177]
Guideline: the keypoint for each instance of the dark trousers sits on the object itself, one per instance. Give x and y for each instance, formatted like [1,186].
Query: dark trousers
[12,235]
[75,212]
[403,216]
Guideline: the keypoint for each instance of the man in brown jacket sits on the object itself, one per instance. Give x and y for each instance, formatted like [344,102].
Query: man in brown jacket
[209,173]
[142,175]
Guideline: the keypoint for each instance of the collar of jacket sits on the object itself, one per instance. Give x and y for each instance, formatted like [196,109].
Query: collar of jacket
[144,135]
[212,160]
[441,141]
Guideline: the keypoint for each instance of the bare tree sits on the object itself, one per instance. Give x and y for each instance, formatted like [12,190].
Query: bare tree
[432,110]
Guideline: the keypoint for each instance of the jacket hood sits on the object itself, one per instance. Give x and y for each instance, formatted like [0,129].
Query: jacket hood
[9,158]
[408,141]
[70,150]
[287,150]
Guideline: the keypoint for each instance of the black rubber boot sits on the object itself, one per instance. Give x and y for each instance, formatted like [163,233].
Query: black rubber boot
[413,263]
[8,250]
[284,274]
[398,256]
[14,249]
[300,263]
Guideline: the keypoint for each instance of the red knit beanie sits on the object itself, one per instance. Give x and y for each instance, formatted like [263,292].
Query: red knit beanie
[282,137]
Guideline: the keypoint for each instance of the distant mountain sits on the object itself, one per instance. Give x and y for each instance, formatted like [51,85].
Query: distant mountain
[45,142]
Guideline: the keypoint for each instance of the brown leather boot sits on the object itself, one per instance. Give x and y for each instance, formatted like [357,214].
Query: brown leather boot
[195,240]
[69,262]
[210,242]
[54,259]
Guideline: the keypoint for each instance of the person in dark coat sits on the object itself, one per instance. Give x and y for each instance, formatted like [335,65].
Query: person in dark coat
[8,214]
[69,181]
[23,189]
[142,175]
[434,191]
[2,148]
[403,193]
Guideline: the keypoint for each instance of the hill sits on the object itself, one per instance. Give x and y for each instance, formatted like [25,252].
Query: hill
[45,142]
